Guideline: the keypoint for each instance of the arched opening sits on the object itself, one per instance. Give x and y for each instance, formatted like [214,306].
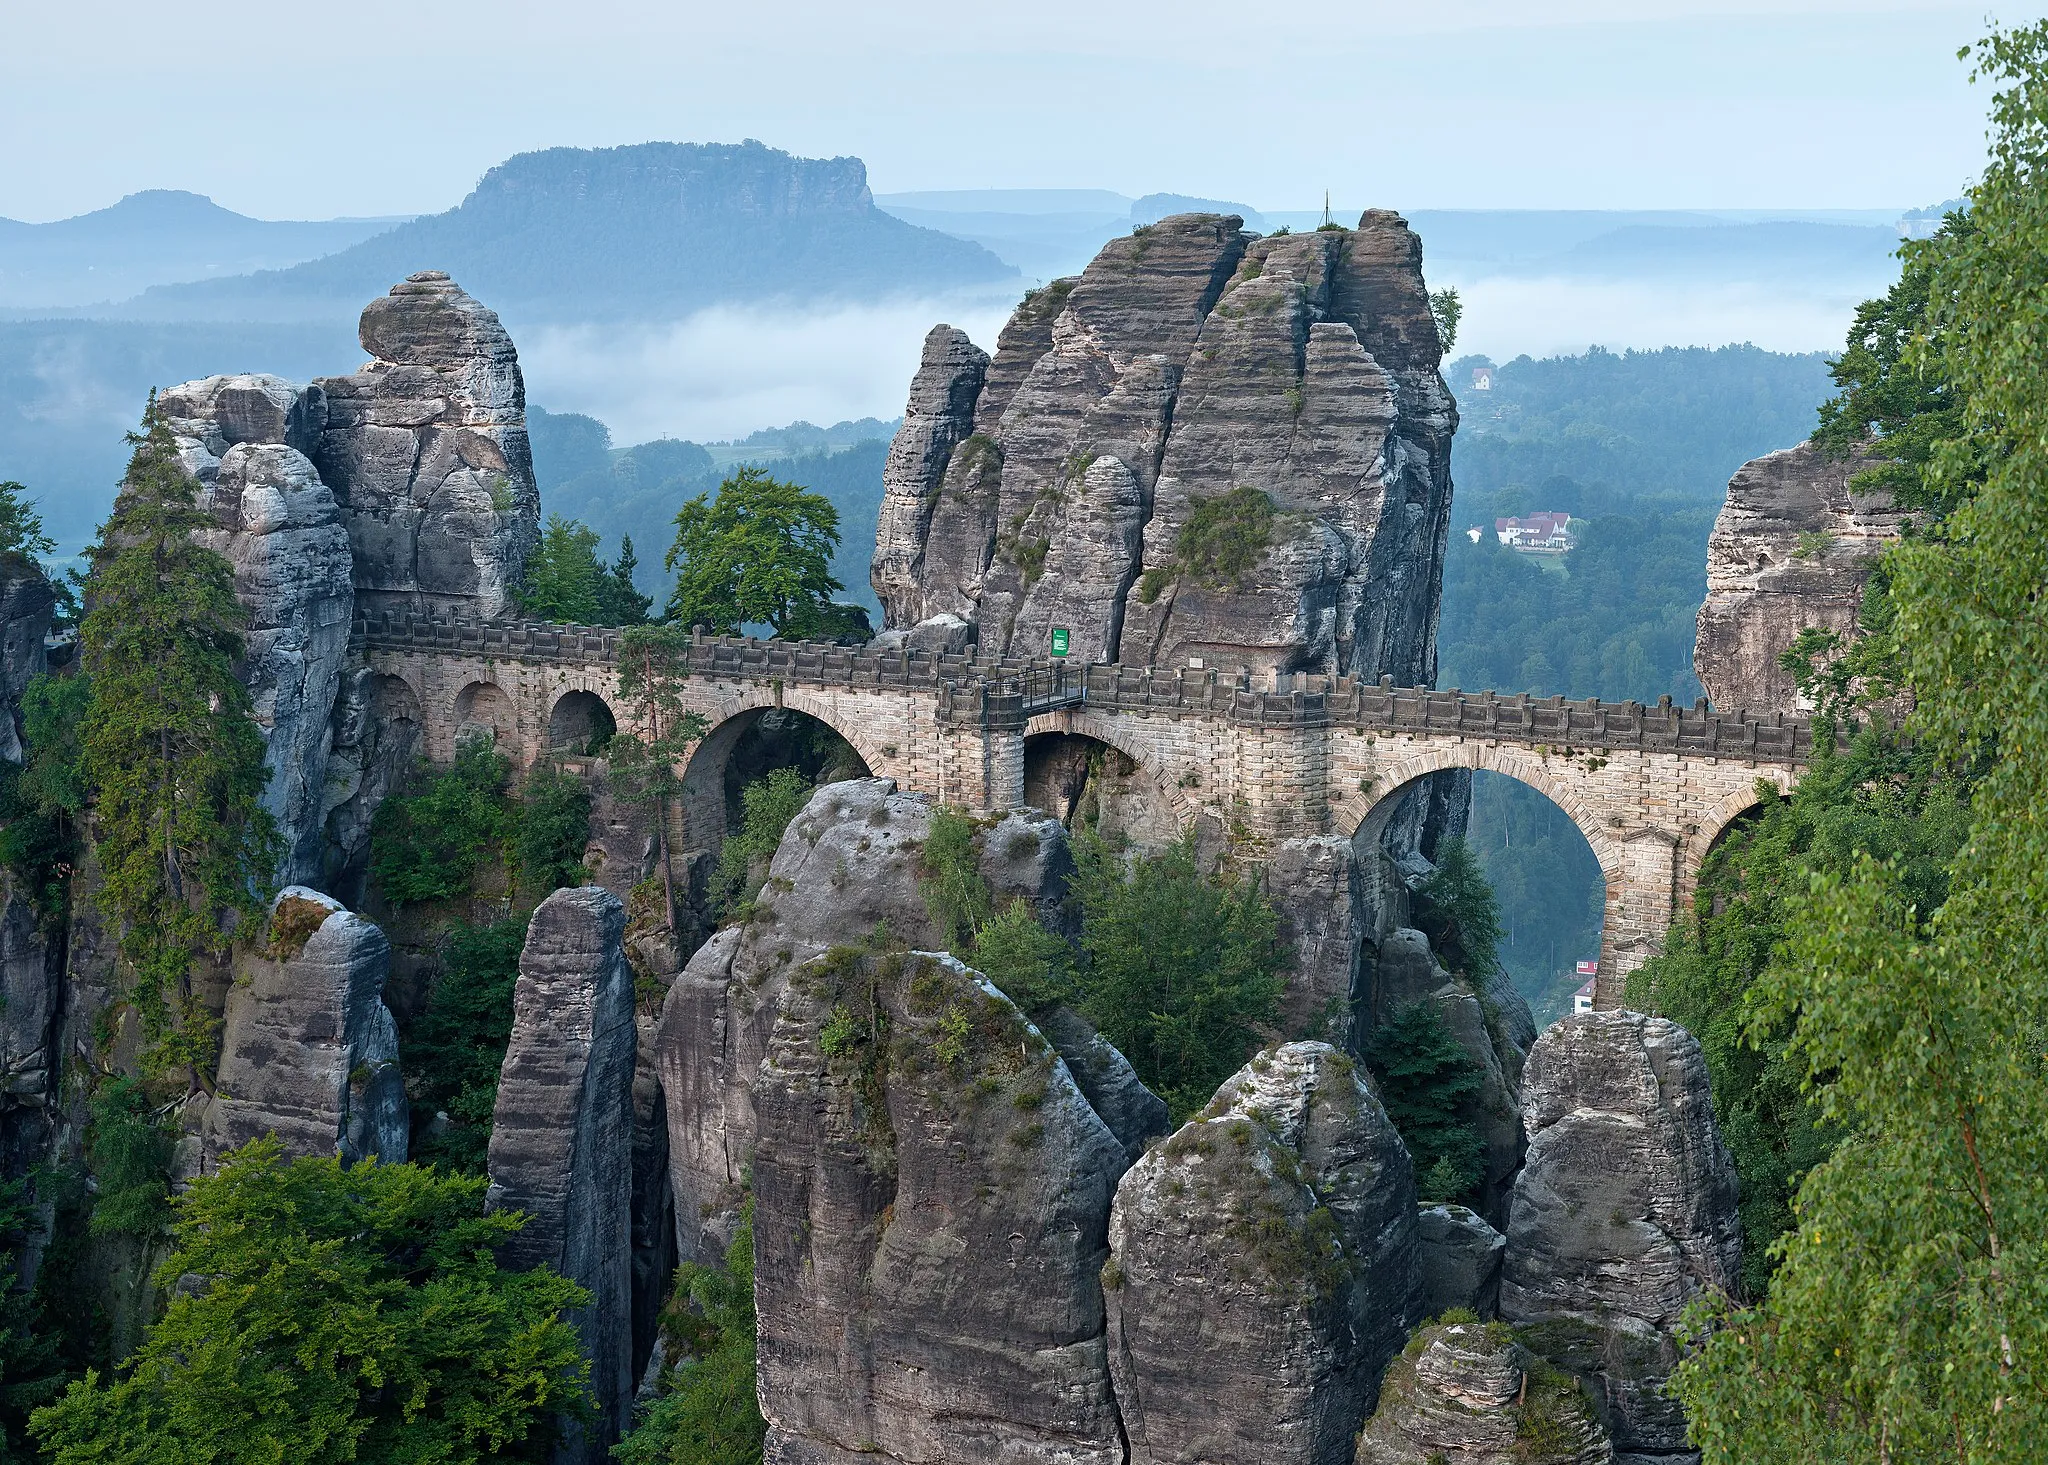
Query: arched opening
[580,724]
[747,751]
[1090,785]
[1549,886]
[483,710]
[1551,891]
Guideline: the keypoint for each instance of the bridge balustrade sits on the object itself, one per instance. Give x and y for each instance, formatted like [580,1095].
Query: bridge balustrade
[999,691]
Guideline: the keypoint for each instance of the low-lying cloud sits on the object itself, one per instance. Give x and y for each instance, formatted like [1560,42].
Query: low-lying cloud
[1507,316]
[725,372]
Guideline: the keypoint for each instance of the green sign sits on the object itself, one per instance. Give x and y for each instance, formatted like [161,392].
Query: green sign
[1059,640]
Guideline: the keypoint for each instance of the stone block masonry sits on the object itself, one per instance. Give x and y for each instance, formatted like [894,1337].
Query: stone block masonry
[1651,787]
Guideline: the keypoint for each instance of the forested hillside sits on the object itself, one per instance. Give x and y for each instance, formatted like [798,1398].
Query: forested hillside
[1640,445]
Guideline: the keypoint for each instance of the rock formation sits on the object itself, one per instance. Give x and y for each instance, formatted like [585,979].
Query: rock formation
[27,605]
[847,865]
[932,1196]
[1209,448]
[309,1051]
[31,989]
[244,439]
[1266,1252]
[30,974]
[426,451]
[1314,886]
[407,485]
[1791,549]
[1623,1212]
[1461,1258]
[562,1134]
[1468,1394]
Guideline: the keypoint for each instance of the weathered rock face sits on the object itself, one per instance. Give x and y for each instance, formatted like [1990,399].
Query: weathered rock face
[1468,1394]
[932,1197]
[1265,1253]
[1188,361]
[426,451]
[562,1134]
[846,864]
[377,731]
[1623,1212]
[309,1051]
[1461,1257]
[1791,549]
[1314,885]
[243,439]
[30,991]
[27,605]
[654,1213]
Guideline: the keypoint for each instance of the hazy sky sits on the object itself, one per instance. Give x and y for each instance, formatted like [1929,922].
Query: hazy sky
[397,106]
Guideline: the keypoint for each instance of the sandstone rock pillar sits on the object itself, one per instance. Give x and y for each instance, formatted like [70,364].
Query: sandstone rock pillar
[1623,1212]
[932,1198]
[1264,1269]
[562,1134]
[309,1051]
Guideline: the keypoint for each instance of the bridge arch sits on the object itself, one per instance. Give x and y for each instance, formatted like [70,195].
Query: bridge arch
[1368,811]
[1701,839]
[734,716]
[1121,735]
[1638,865]
[581,721]
[484,706]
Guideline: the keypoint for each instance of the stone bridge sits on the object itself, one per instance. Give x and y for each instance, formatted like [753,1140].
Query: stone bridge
[1650,787]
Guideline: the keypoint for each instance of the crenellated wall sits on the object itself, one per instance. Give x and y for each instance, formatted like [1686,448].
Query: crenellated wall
[1651,787]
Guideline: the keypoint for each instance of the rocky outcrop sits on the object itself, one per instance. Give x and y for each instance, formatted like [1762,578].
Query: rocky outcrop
[847,865]
[31,990]
[938,416]
[1267,1253]
[1792,549]
[27,606]
[932,1196]
[1469,1394]
[378,727]
[1461,1258]
[244,439]
[1314,886]
[562,1135]
[309,1051]
[1209,448]
[426,451]
[406,485]
[1624,1211]
[653,1209]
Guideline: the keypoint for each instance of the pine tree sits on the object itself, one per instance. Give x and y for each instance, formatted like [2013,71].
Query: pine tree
[619,599]
[169,749]
[1429,1084]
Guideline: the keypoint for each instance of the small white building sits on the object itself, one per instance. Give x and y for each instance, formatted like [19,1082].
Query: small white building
[1582,1000]
[1547,532]
[1482,378]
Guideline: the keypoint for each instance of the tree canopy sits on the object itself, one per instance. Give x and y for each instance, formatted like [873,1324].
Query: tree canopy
[1908,1315]
[566,582]
[346,1313]
[759,553]
[169,746]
